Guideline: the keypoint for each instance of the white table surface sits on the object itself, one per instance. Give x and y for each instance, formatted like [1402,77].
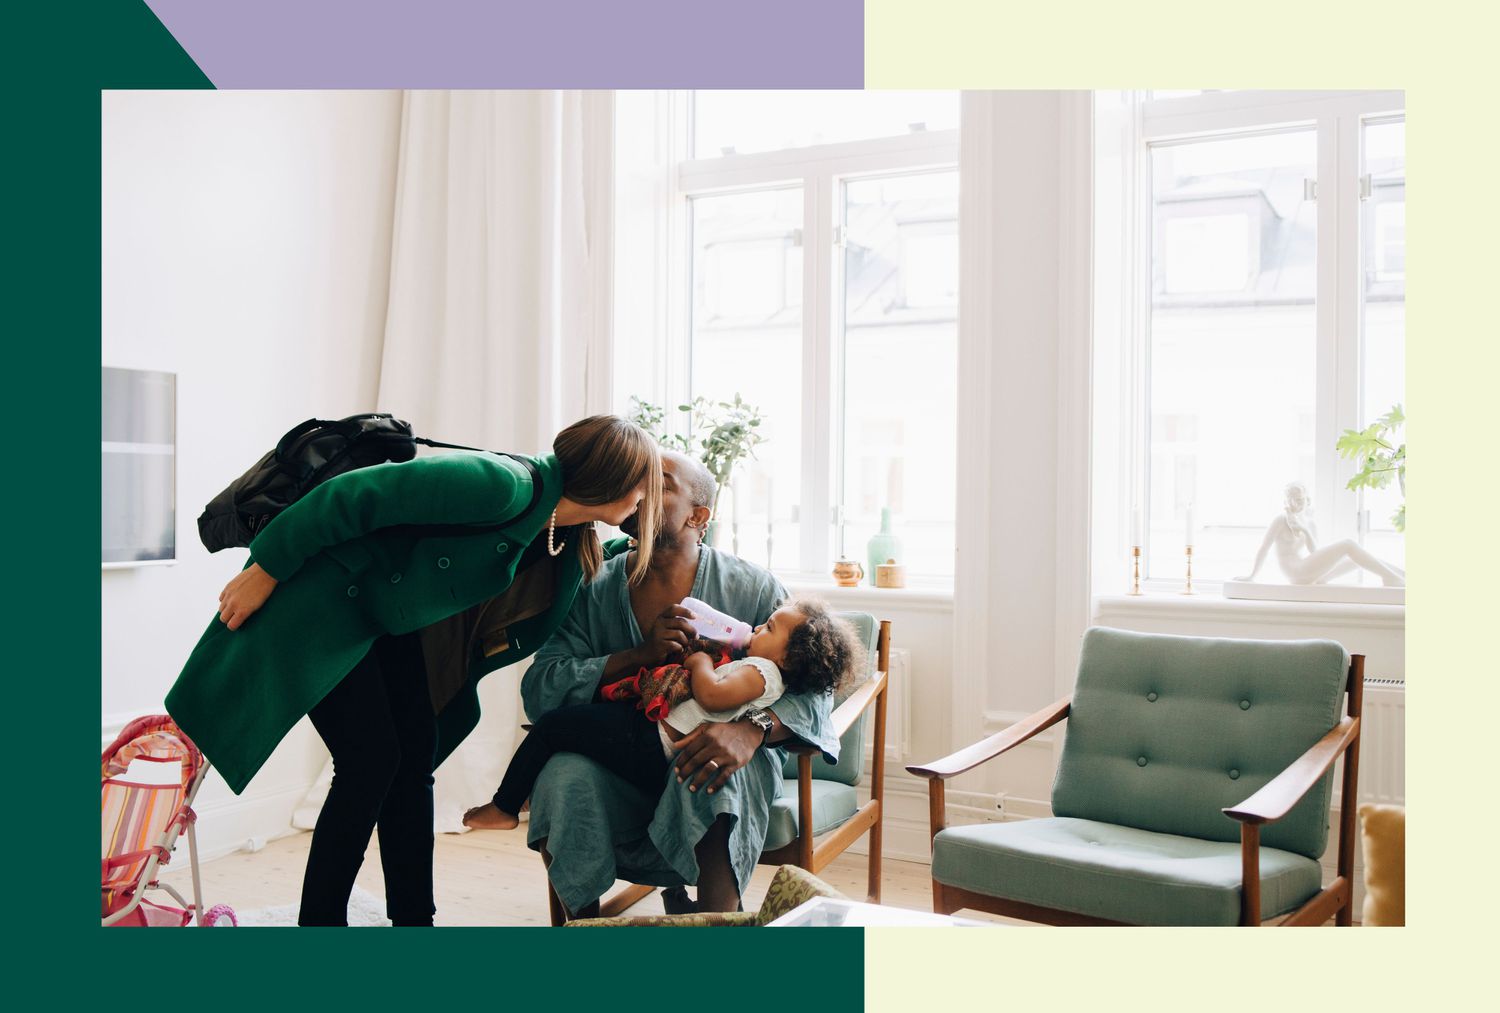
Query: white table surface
[829,912]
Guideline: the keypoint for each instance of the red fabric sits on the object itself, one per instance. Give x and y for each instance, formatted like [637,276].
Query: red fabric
[659,688]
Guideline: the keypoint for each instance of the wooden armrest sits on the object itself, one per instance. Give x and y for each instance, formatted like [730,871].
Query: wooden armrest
[972,756]
[848,712]
[1286,789]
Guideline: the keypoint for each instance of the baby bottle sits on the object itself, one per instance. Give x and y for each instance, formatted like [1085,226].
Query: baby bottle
[711,624]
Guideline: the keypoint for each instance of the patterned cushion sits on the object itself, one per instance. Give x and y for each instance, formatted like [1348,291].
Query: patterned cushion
[790,888]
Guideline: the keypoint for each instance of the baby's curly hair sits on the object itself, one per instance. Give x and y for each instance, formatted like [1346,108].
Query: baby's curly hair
[823,652]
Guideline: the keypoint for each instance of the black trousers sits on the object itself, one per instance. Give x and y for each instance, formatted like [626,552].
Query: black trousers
[379,726]
[616,735]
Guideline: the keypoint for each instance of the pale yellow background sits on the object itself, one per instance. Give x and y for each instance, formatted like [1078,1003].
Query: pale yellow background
[1444,54]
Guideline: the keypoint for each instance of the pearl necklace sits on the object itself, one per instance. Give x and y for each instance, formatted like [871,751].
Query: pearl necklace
[553,550]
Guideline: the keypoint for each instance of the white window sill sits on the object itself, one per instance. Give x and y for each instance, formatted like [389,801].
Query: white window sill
[935,598]
[1213,606]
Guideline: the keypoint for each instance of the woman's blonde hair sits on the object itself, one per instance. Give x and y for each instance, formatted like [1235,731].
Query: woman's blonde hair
[603,458]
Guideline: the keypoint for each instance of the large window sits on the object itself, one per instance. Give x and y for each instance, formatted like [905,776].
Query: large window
[1233,341]
[814,249]
[1270,233]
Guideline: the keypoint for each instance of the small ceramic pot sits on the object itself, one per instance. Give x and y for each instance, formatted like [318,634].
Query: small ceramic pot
[848,572]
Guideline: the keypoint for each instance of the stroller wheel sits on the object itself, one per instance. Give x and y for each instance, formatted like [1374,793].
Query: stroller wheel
[220,912]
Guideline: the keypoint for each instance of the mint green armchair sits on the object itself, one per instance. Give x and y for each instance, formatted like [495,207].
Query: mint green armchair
[1193,788]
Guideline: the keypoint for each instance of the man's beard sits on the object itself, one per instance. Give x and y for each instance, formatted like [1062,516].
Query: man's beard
[666,538]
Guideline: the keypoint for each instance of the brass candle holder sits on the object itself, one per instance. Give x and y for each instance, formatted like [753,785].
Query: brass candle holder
[1135,579]
[1188,589]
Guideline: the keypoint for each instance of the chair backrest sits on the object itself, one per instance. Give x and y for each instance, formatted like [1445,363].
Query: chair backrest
[1166,731]
[851,766]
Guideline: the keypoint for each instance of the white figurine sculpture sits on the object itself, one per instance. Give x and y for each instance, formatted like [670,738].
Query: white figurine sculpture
[1296,539]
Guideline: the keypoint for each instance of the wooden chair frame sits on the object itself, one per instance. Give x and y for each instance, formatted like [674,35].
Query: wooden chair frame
[804,851]
[1269,804]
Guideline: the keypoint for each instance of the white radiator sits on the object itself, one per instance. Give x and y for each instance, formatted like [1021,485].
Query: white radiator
[897,714]
[1382,748]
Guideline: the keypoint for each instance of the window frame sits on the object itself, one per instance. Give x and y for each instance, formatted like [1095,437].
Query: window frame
[821,171]
[1337,118]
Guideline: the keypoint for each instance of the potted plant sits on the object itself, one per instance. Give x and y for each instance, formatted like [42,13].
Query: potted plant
[725,432]
[1379,456]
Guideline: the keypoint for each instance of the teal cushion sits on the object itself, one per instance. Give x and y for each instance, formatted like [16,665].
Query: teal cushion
[1166,731]
[1116,873]
[833,803]
[851,766]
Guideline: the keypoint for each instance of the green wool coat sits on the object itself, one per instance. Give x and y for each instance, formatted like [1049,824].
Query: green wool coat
[432,544]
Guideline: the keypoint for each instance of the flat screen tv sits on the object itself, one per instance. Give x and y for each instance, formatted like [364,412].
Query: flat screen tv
[138,455]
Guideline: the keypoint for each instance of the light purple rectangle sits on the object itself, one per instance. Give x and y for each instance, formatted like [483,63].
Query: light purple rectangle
[509,44]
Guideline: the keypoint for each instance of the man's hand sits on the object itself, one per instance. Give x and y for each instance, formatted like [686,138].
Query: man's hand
[714,750]
[243,595]
[668,637]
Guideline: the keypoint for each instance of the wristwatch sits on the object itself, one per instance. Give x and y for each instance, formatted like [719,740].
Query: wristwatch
[762,720]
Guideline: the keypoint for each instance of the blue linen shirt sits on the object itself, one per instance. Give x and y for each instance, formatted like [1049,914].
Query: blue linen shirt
[597,827]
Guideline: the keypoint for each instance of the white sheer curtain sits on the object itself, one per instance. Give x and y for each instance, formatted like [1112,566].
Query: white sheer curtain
[500,239]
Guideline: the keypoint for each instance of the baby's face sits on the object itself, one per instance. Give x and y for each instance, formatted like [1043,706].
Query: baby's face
[769,639]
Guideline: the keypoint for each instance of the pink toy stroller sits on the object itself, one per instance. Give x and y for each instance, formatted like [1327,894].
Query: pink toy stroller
[148,779]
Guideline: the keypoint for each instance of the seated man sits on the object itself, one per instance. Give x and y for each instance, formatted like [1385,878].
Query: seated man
[709,824]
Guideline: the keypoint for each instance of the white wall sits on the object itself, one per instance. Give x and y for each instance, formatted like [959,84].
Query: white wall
[1008,645]
[246,248]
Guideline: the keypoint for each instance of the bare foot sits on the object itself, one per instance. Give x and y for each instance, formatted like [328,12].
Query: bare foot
[487,817]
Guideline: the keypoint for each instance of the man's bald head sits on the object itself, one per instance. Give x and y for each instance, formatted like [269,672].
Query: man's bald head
[693,477]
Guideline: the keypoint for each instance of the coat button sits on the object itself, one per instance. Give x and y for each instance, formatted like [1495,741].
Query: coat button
[502,547]
[1234,774]
[1151,697]
[1244,705]
[1140,761]
[444,562]
[395,578]
[353,591]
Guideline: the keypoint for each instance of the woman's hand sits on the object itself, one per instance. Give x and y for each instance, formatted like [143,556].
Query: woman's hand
[243,595]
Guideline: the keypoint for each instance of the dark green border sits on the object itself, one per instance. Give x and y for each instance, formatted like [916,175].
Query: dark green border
[60,56]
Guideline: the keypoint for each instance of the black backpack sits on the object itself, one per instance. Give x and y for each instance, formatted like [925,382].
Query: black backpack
[312,453]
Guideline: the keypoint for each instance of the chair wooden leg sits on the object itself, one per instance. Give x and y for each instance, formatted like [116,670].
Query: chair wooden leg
[877,775]
[1249,874]
[939,902]
[805,813]
[1349,799]
[624,898]
[554,907]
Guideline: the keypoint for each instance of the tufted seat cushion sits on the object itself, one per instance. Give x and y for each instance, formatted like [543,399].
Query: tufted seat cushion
[1116,873]
[1166,731]
[833,804]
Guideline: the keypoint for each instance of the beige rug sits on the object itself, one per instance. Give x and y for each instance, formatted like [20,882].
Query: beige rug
[365,911]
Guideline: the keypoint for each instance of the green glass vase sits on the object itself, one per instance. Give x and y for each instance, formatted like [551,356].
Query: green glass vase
[882,546]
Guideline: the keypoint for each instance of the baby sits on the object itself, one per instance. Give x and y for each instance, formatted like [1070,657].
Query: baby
[801,648]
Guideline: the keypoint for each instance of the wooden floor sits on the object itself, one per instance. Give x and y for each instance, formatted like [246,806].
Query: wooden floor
[492,878]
